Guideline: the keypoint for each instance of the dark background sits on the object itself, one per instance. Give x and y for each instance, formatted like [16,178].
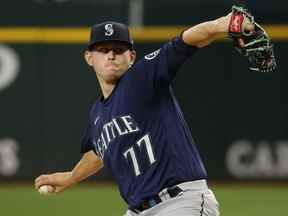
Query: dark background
[46,108]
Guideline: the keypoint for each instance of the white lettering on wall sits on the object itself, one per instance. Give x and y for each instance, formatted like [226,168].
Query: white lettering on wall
[9,66]
[9,161]
[245,159]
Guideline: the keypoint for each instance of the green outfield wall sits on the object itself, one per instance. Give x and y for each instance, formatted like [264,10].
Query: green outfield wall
[239,118]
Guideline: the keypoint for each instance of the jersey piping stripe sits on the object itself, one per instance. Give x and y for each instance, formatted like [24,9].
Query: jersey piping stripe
[202,205]
[80,35]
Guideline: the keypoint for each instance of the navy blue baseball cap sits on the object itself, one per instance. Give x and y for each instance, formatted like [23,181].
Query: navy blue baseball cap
[110,31]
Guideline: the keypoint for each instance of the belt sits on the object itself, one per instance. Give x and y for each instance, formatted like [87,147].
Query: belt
[170,193]
[152,201]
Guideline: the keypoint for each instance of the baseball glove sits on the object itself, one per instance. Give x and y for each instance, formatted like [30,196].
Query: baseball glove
[251,40]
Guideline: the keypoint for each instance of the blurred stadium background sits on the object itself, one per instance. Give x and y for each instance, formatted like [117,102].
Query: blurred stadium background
[239,118]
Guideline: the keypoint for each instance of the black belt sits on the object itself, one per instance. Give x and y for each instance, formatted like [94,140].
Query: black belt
[152,201]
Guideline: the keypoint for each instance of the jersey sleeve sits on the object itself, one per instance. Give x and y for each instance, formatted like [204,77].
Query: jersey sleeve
[165,62]
[86,140]
[86,143]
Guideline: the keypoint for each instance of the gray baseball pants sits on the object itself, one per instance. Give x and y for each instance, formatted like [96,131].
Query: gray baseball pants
[196,200]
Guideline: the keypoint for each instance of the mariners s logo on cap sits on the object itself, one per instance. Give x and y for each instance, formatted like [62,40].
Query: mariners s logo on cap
[109,29]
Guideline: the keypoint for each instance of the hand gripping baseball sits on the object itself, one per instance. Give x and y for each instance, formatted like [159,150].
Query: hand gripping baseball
[53,183]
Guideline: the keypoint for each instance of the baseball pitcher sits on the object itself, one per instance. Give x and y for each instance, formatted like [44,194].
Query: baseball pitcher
[137,129]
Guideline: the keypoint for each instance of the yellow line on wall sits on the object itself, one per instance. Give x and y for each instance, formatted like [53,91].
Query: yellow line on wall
[80,35]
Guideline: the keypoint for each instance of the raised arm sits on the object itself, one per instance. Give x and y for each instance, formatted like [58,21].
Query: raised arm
[204,33]
[87,166]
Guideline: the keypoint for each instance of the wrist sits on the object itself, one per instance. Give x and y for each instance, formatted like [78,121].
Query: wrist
[72,178]
[222,24]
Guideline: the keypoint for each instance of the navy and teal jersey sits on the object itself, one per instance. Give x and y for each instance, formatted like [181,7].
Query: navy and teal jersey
[139,131]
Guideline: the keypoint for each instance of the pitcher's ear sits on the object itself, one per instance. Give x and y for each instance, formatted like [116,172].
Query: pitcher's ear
[133,57]
[88,57]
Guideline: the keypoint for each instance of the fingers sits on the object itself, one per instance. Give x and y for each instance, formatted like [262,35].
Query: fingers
[43,180]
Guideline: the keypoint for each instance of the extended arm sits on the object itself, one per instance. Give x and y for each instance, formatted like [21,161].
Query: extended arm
[204,33]
[87,166]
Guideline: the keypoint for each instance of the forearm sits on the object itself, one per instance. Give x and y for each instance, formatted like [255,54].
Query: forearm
[87,166]
[204,33]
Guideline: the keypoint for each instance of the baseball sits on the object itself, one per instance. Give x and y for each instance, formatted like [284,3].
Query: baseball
[46,189]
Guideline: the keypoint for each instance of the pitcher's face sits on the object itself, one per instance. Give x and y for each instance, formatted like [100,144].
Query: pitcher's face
[110,60]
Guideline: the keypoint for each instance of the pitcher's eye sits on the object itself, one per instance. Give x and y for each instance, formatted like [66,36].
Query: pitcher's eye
[119,50]
[102,49]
